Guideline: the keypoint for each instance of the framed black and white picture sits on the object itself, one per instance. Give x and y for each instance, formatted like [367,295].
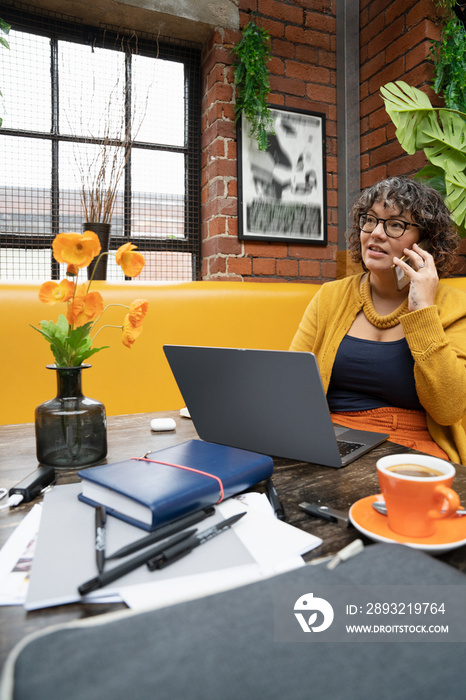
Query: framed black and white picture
[282,191]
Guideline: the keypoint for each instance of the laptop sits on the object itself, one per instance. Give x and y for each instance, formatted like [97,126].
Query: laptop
[267,401]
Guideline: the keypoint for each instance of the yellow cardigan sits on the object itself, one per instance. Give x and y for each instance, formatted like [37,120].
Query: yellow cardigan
[436,337]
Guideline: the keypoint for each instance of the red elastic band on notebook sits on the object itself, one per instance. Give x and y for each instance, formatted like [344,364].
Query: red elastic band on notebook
[189,469]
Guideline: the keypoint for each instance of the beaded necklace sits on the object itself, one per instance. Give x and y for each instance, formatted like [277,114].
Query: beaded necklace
[381,322]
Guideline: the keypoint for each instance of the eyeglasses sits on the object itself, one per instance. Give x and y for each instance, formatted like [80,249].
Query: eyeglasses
[394,228]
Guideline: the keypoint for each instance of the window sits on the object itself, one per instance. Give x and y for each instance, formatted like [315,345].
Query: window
[71,92]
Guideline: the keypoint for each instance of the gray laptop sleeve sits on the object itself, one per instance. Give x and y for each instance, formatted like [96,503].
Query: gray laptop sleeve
[222,647]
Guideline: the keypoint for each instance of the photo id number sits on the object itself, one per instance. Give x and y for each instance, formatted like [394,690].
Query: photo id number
[396,609]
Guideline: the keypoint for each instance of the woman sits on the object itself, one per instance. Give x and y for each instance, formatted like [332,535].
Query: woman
[395,361]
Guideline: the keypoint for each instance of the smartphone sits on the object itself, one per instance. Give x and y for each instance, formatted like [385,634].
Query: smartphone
[401,278]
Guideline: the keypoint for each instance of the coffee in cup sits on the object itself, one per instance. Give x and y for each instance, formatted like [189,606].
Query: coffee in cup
[417,492]
[419,470]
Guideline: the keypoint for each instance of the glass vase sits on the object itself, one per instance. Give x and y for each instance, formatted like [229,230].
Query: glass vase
[71,429]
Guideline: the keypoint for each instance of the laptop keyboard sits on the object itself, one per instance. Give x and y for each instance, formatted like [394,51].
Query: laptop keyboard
[345,448]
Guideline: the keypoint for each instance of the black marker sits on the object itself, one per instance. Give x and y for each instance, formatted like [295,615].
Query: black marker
[164,531]
[118,571]
[171,554]
[275,502]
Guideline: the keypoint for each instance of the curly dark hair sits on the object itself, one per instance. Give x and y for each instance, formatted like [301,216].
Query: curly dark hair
[426,207]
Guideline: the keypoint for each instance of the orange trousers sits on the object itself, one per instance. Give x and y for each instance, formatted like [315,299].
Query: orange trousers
[408,428]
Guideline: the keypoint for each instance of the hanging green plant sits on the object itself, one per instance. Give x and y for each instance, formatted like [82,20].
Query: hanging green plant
[446,4]
[5,28]
[252,80]
[449,58]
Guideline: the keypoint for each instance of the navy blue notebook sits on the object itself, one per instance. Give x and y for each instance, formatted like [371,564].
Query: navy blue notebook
[172,482]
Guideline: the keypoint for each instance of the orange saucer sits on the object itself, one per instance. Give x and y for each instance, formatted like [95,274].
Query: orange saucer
[450,533]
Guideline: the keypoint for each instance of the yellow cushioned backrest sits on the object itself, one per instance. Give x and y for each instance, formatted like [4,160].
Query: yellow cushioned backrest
[226,314]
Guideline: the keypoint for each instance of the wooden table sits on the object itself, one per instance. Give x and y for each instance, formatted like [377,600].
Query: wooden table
[130,436]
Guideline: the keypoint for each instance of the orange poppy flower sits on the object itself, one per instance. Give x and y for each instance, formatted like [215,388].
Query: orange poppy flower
[130,262]
[137,311]
[76,248]
[130,332]
[53,292]
[84,307]
[72,270]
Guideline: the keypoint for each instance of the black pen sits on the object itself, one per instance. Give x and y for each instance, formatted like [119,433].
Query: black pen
[100,520]
[164,531]
[277,505]
[172,553]
[118,571]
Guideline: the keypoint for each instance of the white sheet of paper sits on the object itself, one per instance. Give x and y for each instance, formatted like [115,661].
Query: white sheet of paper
[16,558]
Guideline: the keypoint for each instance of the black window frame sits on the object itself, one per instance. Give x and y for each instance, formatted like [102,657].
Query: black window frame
[56,28]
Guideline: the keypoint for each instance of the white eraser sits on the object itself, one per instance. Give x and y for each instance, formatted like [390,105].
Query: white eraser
[184,413]
[158,425]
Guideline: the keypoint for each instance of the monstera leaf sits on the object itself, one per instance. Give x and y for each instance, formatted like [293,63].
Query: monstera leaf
[456,196]
[433,176]
[408,108]
[441,134]
[445,143]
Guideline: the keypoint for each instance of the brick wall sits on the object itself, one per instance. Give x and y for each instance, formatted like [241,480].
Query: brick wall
[302,75]
[394,45]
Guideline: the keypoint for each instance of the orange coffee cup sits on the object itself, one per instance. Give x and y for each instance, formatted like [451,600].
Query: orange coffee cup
[417,492]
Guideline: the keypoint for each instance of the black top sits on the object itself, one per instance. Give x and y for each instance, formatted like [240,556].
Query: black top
[370,374]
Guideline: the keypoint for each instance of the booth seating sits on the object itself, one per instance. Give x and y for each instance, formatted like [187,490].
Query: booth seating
[227,314]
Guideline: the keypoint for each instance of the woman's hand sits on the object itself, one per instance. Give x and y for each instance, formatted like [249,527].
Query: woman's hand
[423,276]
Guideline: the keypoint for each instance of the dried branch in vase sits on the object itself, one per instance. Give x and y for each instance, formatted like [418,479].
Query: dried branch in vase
[101,160]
